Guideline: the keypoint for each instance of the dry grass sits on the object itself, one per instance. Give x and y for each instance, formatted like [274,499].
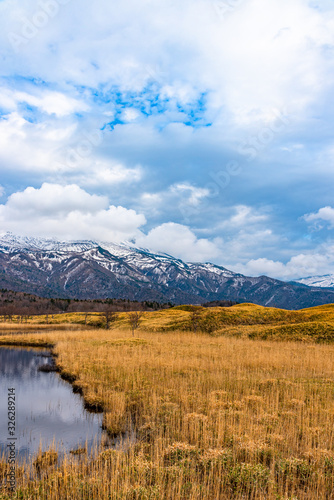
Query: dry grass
[32,326]
[216,417]
[244,320]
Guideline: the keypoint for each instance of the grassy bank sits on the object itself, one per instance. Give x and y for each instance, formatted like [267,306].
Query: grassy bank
[216,417]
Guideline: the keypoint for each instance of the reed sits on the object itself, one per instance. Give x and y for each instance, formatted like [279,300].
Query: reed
[215,417]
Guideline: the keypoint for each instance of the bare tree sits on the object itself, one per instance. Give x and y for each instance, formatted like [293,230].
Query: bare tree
[110,316]
[10,312]
[134,320]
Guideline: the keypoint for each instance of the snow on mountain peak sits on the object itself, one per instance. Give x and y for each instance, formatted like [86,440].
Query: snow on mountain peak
[325,281]
[10,242]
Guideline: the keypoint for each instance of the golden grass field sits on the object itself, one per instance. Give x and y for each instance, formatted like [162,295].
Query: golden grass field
[244,320]
[241,409]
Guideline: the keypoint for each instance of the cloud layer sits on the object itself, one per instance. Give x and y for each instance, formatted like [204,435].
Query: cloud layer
[68,212]
[201,128]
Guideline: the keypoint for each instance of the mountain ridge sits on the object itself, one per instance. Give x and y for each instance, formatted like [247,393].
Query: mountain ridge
[89,269]
[324,281]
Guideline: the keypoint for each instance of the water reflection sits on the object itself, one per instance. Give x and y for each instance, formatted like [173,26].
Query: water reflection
[46,407]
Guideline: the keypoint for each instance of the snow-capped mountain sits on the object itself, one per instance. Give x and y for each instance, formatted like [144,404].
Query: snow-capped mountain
[92,270]
[326,281]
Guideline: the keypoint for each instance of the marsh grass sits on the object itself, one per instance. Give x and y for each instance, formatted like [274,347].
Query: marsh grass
[244,320]
[215,417]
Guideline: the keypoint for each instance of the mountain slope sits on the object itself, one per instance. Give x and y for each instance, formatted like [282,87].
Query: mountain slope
[93,270]
[326,281]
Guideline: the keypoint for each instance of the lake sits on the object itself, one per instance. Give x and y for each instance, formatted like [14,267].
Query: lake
[46,409]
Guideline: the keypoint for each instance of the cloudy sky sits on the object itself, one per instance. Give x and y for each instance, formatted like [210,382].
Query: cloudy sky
[202,128]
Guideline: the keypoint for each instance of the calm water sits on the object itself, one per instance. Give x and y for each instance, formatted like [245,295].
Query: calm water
[46,407]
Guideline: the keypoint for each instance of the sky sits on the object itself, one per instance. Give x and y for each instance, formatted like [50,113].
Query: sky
[201,128]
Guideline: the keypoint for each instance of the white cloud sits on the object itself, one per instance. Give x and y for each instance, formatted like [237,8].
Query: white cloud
[151,198]
[314,263]
[55,150]
[238,249]
[288,69]
[54,199]
[49,102]
[26,146]
[262,55]
[325,214]
[256,267]
[179,241]
[182,198]
[91,65]
[194,194]
[244,216]
[52,103]
[130,115]
[68,212]
[104,173]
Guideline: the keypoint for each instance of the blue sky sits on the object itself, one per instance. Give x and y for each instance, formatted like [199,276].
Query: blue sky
[202,128]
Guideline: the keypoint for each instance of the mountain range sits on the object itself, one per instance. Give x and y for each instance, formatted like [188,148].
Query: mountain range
[326,281]
[97,270]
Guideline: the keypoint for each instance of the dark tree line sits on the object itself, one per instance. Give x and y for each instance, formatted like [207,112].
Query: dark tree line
[23,306]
